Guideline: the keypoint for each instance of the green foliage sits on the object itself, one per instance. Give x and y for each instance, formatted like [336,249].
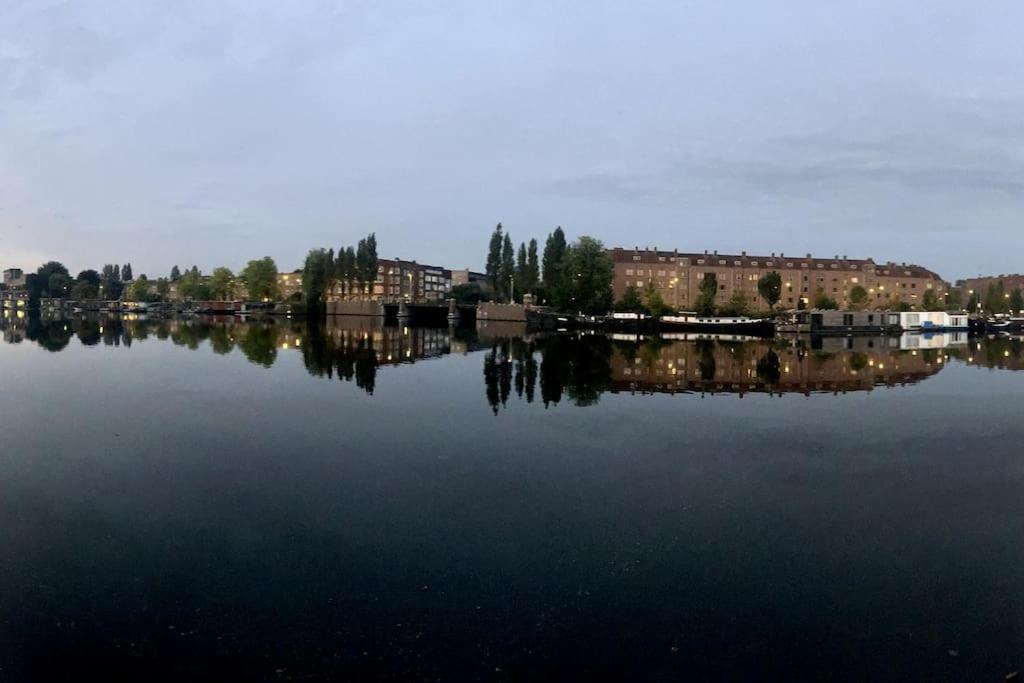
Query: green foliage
[493,269]
[89,277]
[826,303]
[954,299]
[193,287]
[973,302]
[858,296]
[706,299]
[316,275]
[175,274]
[554,254]
[532,267]
[586,278]
[126,272]
[507,273]
[930,301]
[163,288]
[84,290]
[140,290]
[630,301]
[222,284]
[738,304]
[770,288]
[996,300]
[656,305]
[469,293]
[260,276]
[1016,301]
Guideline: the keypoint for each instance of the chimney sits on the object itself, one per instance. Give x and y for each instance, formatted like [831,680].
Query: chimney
[773,254]
[808,256]
[781,255]
[836,257]
[705,252]
[743,253]
[716,252]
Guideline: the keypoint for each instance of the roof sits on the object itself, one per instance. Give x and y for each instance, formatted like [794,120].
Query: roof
[780,260]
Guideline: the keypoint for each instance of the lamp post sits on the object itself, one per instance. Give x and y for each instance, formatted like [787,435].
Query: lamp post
[511,289]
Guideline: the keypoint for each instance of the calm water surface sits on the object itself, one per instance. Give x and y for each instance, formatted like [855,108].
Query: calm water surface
[210,500]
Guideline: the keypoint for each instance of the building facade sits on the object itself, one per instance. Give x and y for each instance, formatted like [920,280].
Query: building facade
[677,277]
[400,280]
[980,286]
[14,278]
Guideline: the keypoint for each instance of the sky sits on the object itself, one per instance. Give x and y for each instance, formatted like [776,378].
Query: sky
[211,133]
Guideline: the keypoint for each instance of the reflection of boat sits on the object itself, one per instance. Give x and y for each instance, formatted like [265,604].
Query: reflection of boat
[691,322]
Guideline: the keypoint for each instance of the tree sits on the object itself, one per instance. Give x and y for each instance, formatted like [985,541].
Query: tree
[493,269]
[770,288]
[858,296]
[126,272]
[1016,301]
[630,301]
[656,305]
[192,286]
[59,285]
[89,277]
[585,284]
[738,304]
[82,290]
[469,293]
[973,302]
[316,273]
[260,276]
[995,298]
[554,254]
[349,268]
[139,290]
[222,284]
[117,273]
[954,299]
[930,301]
[175,274]
[823,302]
[163,287]
[521,269]
[532,267]
[507,266]
[708,292]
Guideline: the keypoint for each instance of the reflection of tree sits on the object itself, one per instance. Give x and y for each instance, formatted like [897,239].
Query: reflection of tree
[531,373]
[769,369]
[52,335]
[491,378]
[220,339]
[578,366]
[88,332]
[706,361]
[259,344]
[352,357]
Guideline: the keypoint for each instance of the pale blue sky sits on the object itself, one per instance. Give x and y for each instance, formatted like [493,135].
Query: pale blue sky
[213,132]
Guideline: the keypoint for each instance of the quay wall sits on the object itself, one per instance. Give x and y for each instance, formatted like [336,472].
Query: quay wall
[372,308]
[495,311]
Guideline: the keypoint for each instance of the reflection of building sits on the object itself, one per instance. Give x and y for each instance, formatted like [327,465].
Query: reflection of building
[15,299]
[677,276]
[836,365]
[391,343]
[14,277]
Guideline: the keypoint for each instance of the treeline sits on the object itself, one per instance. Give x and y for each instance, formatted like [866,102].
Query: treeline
[996,299]
[52,279]
[354,269]
[569,277]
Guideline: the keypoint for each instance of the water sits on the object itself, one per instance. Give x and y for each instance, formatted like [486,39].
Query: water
[223,501]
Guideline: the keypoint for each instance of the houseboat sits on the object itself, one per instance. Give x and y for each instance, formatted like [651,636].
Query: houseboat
[717,324]
[844,323]
[927,321]
[1004,324]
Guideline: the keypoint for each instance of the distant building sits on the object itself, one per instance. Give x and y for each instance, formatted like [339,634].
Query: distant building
[980,285]
[14,278]
[677,277]
[466,276]
[288,285]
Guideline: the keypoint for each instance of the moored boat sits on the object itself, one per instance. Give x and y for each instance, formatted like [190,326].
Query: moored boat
[719,324]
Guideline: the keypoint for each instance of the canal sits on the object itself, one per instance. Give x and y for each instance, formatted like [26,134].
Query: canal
[209,499]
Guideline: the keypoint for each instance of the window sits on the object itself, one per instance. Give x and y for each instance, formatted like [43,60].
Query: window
[721,261]
[737,263]
[700,262]
[629,271]
[753,263]
[803,265]
[821,265]
[639,283]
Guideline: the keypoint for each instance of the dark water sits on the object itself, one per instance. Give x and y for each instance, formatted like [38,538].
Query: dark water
[210,501]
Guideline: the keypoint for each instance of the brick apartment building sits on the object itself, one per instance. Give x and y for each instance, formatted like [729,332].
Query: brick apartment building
[399,279]
[979,285]
[677,277]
